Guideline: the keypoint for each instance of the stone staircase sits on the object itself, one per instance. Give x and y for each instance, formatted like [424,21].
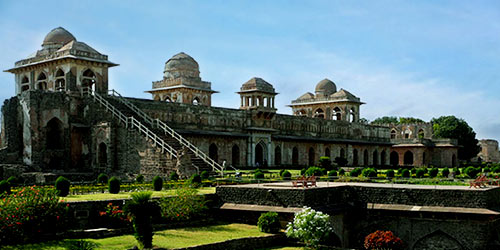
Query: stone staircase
[156,131]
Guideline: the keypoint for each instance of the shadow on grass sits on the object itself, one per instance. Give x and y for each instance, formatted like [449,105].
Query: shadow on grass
[55,245]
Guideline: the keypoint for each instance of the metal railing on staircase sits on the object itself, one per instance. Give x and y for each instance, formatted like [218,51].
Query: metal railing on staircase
[156,123]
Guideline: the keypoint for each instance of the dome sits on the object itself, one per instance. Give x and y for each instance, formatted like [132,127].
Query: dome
[325,87]
[58,36]
[181,65]
[257,84]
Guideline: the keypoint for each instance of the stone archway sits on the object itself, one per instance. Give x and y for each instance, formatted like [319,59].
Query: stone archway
[437,240]
[261,154]
[235,155]
[212,152]
[408,158]
[277,156]
[394,158]
[295,156]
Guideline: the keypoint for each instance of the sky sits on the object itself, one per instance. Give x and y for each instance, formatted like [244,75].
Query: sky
[419,59]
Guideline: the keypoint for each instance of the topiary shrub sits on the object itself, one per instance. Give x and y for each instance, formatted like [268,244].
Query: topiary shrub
[486,170]
[303,171]
[332,173]
[174,176]
[413,171]
[114,185]
[139,178]
[445,172]
[195,180]
[269,222]
[369,172]
[355,172]
[325,163]
[433,172]
[258,174]
[102,178]
[405,173]
[157,183]
[281,172]
[286,175]
[426,171]
[204,175]
[342,172]
[4,187]
[389,173]
[496,169]
[62,186]
[314,171]
[457,171]
[472,172]
[420,173]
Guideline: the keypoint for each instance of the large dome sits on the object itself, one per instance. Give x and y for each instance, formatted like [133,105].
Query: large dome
[325,87]
[181,65]
[58,36]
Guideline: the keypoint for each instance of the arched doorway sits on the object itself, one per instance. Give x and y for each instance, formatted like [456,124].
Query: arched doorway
[355,161]
[382,158]
[55,134]
[88,79]
[394,158]
[453,160]
[342,153]
[337,114]
[277,156]
[319,113]
[260,154]
[212,152]
[327,152]
[295,156]
[102,158]
[311,157]
[365,157]
[375,158]
[408,158]
[235,155]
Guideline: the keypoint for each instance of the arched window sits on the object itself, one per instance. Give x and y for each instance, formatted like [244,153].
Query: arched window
[196,101]
[55,134]
[277,156]
[319,113]
[103,155]
[41,81]
[342,153]
[352,115]
[88,79]
[365,157]
[408,158]
[355,161]
[167,99]
[301,113]
[25,84]
[407,133]
[375,158]
[235,155]
[382,158]
[295,156]
[212,152]
[394,161]
[260,154]
[327,152]
[393,134]
[60,83]
[337,114]
[311,157]
[421,134]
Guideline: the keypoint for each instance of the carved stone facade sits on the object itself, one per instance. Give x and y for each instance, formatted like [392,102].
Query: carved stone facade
[489,151]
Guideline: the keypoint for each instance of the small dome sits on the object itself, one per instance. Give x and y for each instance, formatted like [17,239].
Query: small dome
[181,65]
[58,36]
[257,84]
[325,87]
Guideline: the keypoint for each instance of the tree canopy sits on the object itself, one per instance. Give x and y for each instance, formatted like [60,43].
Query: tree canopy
[396,120]
[455,128]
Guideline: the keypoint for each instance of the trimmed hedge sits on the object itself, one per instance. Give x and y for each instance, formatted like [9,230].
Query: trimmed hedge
[62,186]
[114,185]
[269,222]
[157,183]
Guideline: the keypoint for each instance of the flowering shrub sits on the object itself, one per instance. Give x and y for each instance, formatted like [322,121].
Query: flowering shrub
[115,216]
[29,212]
[186,205]
[383,240]
[310,227]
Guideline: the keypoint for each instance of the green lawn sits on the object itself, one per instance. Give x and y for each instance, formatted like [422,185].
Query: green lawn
[172,238]
[126,195]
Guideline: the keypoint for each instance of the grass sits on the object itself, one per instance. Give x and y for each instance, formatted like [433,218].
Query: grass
[126,195]
[172,238]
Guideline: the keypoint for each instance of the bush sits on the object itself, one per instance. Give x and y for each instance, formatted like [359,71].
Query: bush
[486,170]
[310,227]
[303,171]
[342,172]
[62,186]
[420,173]
[325,163]
[413,171]
[355,172]
[281,172]
[400,171]
[102,178]
[258,174]
[114,185]
[405,173]
[195,180]
[13,181]
[4,188]
[389,173]
[332,173]
[445,172]
[314,171]
[426,171]
[457,171]
[341,161]
[383,240]
[269,222]
[185,205]
[139,178]
[174,176]
[369,172]
[204,175]
[140,208]
[157,183]
[496,169]
[472,172]
[286,175]
[433,172]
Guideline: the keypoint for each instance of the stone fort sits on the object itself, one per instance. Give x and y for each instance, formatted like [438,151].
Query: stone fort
[65,119]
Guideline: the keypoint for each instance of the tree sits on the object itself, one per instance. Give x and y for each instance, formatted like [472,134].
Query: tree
[409,120]
[385,120]
[455,128]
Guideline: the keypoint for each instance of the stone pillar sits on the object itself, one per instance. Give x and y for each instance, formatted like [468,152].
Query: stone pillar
[273,101]
[349,155]
[241,97]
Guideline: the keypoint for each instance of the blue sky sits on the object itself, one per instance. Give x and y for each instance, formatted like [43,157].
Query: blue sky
[414,58]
